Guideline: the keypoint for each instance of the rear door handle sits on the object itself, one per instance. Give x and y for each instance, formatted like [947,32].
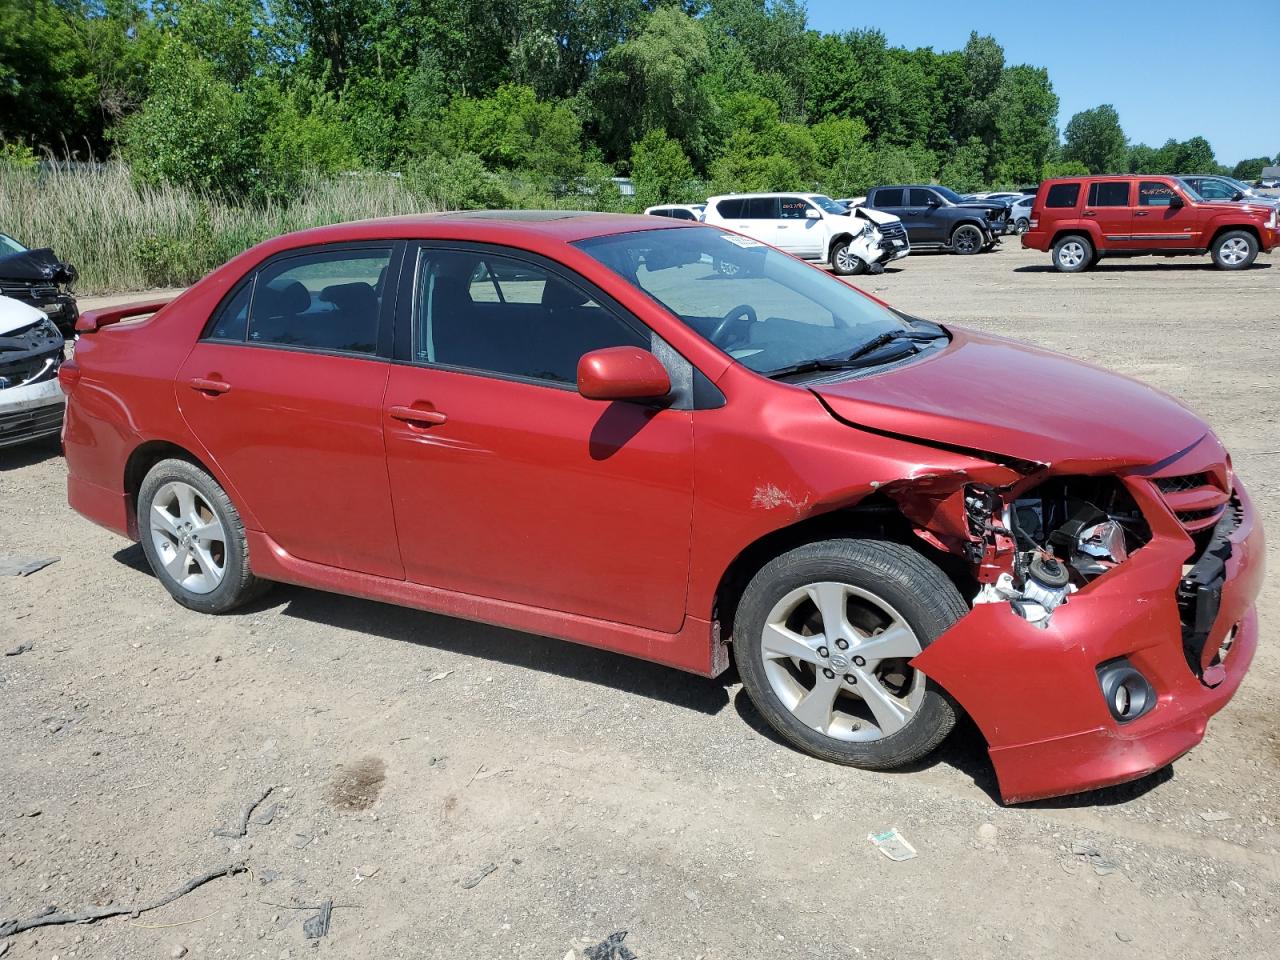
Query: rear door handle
[1140,214]
[416,416]
[205,385]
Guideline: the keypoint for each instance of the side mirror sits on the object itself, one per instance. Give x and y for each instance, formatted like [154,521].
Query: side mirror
[812,214]
[1238,195]
[933,201]
[1175,200]
[622,373]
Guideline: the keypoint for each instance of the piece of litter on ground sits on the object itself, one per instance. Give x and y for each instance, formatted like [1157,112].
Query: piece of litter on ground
[1215,816]
[264,816]
[313,928]
[1101,865]
[479,875]
[14,566]
[492,772]
[18,650]
[438,676]
[893,845]
[611,948]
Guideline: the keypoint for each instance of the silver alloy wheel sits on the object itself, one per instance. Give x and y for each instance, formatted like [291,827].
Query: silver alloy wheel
[1071,253]
[1021,226]
[845,260]
[188,536]
[836,656]
[1234,251]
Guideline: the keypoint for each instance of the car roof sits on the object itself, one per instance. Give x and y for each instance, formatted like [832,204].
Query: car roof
[484,226]
[769,193]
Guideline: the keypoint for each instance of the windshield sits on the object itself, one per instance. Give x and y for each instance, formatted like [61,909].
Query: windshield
[765,309]
[949,194]
[1190,190]
[9,245]
[828,205]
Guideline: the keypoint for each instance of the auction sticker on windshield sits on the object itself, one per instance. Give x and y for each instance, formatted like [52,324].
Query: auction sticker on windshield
[741,241]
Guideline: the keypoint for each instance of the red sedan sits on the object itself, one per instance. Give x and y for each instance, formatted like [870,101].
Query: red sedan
[663,439]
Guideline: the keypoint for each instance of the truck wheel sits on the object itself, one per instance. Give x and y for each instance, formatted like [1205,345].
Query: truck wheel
[1073,254]
[967,239]
[823,639]
[1235,250]
[193,538]
[844,263]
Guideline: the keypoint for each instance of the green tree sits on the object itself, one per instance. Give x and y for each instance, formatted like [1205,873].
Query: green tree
[1024,115]
[1064,168]
[305,136]
[964,169]
[1095,138]
[1250,169]
[661,171]
[193,129]
[514,129]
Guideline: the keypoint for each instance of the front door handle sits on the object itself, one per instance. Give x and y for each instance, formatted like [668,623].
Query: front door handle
[1140,214]
[415,416]
[1090,213]
[207,385]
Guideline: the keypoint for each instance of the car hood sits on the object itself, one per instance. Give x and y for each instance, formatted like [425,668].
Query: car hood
[983,205]
[878,217]
[992,395]
[36,266]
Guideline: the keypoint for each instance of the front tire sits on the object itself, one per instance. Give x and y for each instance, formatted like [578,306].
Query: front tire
[1235,250]
[823,638]
[967,240]
[194,539]
[1073,254]
[844,263]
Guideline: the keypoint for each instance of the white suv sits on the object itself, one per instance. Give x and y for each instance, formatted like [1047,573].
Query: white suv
[814,227]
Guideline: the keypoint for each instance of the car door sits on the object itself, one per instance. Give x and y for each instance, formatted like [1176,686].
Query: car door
[893,200]
[1164,220]
[285,392]
[507,483]
[929,213]
[1109,204]
[796,233]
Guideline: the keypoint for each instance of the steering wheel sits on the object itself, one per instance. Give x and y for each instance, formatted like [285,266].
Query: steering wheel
[742,311]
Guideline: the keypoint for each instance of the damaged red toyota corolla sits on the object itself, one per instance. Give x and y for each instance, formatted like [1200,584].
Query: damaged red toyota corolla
[661,439]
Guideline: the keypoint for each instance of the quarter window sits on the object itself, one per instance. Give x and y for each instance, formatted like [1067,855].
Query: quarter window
[325,301]
[1153,193]
[1062,195]
[501,315]
[232,322]
[1109,193]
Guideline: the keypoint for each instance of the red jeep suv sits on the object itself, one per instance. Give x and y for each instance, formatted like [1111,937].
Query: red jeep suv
[582,425]
[1083,219]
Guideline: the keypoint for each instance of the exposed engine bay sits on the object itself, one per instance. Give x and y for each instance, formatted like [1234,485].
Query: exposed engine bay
[1051,540]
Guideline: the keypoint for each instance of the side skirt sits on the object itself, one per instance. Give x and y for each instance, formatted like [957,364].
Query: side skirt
[695,649]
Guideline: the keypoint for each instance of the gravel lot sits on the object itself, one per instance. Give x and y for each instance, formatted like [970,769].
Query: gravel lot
[410,753]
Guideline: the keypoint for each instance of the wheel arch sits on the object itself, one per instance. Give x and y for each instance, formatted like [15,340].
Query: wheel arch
[843,237]
[1079,230]
[141,459]
[1248,228]
[876,518]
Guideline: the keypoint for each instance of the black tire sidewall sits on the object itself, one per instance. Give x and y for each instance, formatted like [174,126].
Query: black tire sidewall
[909,583]
[835,268]
[237,582]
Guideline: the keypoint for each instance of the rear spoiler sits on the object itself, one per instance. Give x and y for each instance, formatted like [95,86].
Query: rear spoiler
[92,320]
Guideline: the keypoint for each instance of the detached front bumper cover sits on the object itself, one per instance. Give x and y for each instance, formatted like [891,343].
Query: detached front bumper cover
[1035,694]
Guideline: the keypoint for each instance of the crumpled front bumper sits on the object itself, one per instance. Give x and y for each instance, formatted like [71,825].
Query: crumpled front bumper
[1035,694]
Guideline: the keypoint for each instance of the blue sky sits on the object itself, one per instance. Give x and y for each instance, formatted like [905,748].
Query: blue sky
[1171,69]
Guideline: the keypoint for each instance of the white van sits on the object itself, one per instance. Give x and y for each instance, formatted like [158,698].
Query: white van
[814,227]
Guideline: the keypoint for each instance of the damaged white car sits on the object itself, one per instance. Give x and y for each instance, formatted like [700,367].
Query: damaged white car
[31,351]
[814,227]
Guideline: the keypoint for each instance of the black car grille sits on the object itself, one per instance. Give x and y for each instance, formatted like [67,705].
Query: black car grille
[1191,481]
[29,291]
[30,423]
[893,231]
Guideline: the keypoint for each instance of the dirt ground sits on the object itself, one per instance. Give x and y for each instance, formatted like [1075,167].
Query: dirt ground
[412,753]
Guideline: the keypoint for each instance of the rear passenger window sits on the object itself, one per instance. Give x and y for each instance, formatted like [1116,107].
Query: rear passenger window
[232,322]
[889,197]
[501,315]
[920,198]
[1062,195]
[761,208]
[681,215]
[325,301]
[1109,193]
[1152,193]
[731,209]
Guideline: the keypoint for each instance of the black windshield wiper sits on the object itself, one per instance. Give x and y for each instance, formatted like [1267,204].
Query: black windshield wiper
[893,336]
[856,360]
[812,366]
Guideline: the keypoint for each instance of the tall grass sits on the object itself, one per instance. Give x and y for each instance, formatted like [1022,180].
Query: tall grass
[122,236]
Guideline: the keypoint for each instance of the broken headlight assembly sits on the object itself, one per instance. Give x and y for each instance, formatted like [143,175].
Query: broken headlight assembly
[1063,533]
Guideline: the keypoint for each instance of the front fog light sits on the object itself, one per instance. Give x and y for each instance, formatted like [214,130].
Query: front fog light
[1127,692]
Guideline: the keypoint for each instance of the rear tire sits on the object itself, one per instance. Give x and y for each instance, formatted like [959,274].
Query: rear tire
[886,603]
[1235,250]
[194,539]
[844,263]
[1073,254]
[967,240]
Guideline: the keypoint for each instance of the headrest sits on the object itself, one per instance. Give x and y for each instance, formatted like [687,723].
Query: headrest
[557,294]
[350,296]
[285,299]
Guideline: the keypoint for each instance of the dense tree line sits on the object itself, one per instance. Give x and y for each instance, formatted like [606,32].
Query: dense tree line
[246,98]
